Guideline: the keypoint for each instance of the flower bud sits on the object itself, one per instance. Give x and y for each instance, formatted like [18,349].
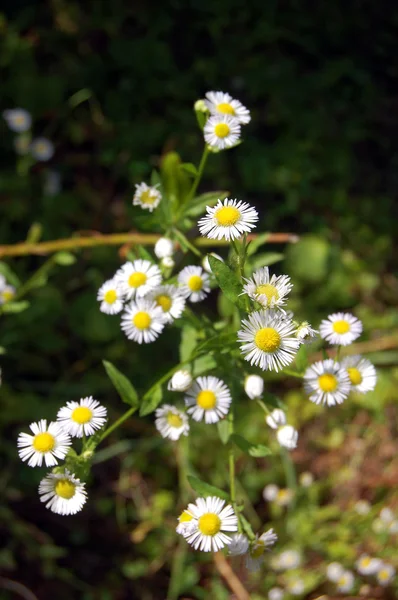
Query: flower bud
[305,332]
[287,437]
[180,381]
[200,106]
[164,248]
[276,419]
[254,386]
[206,264]
[167,262]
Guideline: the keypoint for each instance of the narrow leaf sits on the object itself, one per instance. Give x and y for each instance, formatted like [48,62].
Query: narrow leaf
[247,527]
[14,307]
[151,401]
[189,168]
[265,259]
[259,241]
[205,489]
[228,281]
[123,386]
[302,358]
[255,450]
[64,258]
[223,430]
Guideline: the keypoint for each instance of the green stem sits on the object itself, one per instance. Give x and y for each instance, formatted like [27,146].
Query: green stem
[199,174]
[116,424]
[263,406]
[231,463]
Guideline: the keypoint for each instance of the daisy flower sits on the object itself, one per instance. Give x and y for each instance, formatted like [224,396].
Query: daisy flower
[219,103]
[169,298]
[270,292]
[164,248]
[82,418]
[63,493]
[111,297]
[221,131]
[255,555]
[186,524]
[194,283]
[289,559]
[287,437]
[270,492]
[386,515]
[268,340]
[171,422]
[306,479]
[143,321]
[146,196]
[385,574]
[340,328]
[239,544]
[180,382]
[138,278]
[366,565]
[7,293]
[305,333]
[284,497]
[42,149]
[327,382]
[345,582]
[228,219]
[209,399]
[334,571]
[18,119]
[46,443]
[361,372]
[295,587]
[276,593]
[212,518]
[276,418]
[254,386]
[362,507]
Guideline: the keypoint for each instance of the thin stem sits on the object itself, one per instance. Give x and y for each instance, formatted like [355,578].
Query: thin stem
[231,463]
[199,174]
[116,424]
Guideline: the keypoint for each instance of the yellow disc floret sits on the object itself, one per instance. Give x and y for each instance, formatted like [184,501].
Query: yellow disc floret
[354,375]
[268,290]
[164,301]
[267,339]
[7,295]
[327,382]
[209,524]
[225,108]
[82,415]
[221,130]
[43,442]
[185,517]
[174,420]
[137,279]
[142,320]
[65,489]
[147,197]
[195,283]
[227,216]
[258,549]
[206,399]
[110,296]
[341,327]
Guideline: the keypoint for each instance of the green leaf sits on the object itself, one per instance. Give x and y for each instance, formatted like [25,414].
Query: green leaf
[9,275]
[302,358]
[272,401]
[15,307]
[265,260]
[223,430]
[201,117]
[189,168]
[189,339]
[123,386]
[205,489]
[257,243]
[218,342]
[64,258]
[255,450]
[198,205]
[176,181]
[247,527]
[144,254]
[151,401]
[227,280]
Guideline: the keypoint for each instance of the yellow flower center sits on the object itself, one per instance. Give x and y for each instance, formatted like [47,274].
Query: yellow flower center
[341,326]
[355,376]
[221,130]
[227,216]
[365,562]
[268,290]
[137,279]
[267,339]
[209,524]
[174,420]
[164,301]
[258,549]
[206,399]
[185,517]
[82,415]
[41,147]
[142,320]
[19,120]
[195,283]
[225,108]
[383,575]
[110,296]
[43,442]
[327,382]
[7,295]
[65,489]
[283,495]
[147,197]
[342,580]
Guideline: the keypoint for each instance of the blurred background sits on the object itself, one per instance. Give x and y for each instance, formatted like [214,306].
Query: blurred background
[112,86]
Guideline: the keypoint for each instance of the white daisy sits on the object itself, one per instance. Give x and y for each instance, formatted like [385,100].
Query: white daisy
[386,515]
[345,582]
[146,196]
[164,248]
[167,262]
[284,497]
[327,382]
[170,299]
[46,443]
[366,565]
[268,340]
[334,571]
[186,524]
[392,528]
[362,507]
[340,328]
[42,149]
[295,587]
[63,493]
[289,559]
[305,333]
[287,437]
[18,119]
[7,294]
[221,132]
[206,263]
[385,574]
[255,555]
[276,418]
[171,422]
[180,382]
[270,292]
[306,479]
[219,103]
[194,283]
[138,278]
[228,219]
[276,593]
[143,321]
[82,418]
[239,544]
[212,518]
[111,297]
[254,386]
[361,372]
[270,492]
[209,399]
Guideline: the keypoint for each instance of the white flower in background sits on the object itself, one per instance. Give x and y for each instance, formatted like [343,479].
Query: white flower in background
[270,492]
[334,571]
[392,528]
[306,479]
[42,149]
[255,555]
[147,197]
[366,565]
[171,422]
[288,560]
[254,386]
[52,183]
[219,103]
[327,382]
[295,587]
[239,544]
[63,493]
[276,593]
[268,340]
[194,283]
[138,278]
[209,399]
[361,372]
[170,299]
[7,294]
[212,519]
[305,333]
[385,574]
[186,524]
[46,444]
[276,419]
[362,507]
[228,220]
[18,119]
[164,248]
[111,297]
[284,497]
[82,418]
[345,582]
[206,263]
[340,328]
[386,515]
[270,292]
[221,132]
[143,321]
[21,144]
[167,262]
[180,382]
[378,526]
[287,437]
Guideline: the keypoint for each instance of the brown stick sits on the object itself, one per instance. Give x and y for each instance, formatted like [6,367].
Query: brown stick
[232,580]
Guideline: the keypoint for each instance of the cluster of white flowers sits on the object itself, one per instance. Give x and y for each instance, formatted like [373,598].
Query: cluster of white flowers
[281,496]
[61,490]
[366,566]
[386,522]
[224,118]
[7,291]
[286,435]
[19,121]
